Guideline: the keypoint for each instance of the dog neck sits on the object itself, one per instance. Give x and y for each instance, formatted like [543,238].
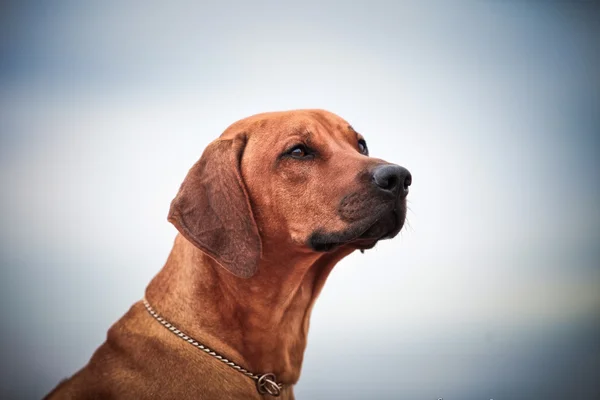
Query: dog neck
[260,323]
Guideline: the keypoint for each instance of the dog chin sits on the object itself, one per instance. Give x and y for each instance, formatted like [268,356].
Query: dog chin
[363,236]
[386,228]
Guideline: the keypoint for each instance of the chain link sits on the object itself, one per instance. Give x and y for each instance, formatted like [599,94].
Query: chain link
[265,383]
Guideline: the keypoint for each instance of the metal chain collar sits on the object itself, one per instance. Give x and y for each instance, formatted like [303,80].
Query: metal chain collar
[265,383]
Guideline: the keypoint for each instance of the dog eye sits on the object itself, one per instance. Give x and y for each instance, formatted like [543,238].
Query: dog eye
[299,151]
[362,147]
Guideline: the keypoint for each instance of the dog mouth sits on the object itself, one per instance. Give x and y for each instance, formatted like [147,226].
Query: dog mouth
[384,228]
[363,235]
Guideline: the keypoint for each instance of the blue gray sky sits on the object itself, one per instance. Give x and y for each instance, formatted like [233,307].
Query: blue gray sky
[491,291]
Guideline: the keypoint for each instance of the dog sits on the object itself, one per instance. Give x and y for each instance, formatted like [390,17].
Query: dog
[264,215]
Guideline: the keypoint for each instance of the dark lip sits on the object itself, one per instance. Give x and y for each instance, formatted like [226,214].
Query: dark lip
[400,218]
[362,239]
[364,242]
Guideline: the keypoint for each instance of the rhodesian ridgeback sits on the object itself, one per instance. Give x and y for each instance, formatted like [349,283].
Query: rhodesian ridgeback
[264,215]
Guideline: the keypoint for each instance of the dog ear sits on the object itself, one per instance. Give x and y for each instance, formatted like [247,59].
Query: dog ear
[212,209]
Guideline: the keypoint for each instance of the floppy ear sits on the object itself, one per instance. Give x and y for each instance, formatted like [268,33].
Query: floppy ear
[212,209]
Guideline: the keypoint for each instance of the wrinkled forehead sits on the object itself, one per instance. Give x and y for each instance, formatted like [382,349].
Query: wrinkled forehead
[277,126]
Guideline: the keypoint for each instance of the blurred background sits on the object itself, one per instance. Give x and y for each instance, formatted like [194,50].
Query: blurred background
[491,291]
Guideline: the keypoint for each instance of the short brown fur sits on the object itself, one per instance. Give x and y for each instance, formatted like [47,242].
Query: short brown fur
[240,278]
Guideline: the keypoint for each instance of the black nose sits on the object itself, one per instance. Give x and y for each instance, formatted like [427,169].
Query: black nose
[392,178]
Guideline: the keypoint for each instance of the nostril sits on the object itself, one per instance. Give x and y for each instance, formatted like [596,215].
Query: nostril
[385,180]
[407,181]
[392,182]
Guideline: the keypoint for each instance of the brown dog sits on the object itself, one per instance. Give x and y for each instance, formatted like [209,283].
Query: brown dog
[264,215]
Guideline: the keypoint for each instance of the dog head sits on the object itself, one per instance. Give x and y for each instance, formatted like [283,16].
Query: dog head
[300,180]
